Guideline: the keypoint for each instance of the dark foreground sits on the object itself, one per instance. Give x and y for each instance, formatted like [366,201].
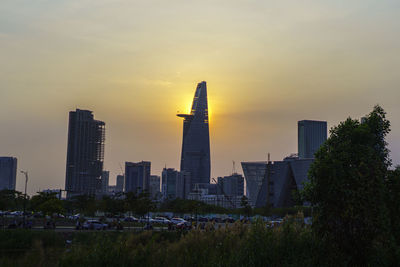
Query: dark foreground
[291,244]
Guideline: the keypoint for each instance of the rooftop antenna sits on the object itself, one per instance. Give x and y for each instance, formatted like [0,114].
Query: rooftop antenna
[233,167]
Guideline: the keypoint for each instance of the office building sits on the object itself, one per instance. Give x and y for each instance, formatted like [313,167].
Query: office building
[119,187]
[232,185]
[175,184]
[311,135]
[105,176]
[195,156]
[137,176]
[85,153]
[8,173]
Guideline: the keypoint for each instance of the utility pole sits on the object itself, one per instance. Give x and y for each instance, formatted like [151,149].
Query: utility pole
[26,184]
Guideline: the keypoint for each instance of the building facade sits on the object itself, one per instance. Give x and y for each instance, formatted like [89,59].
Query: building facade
[85,153]
[137,176]
[8,173]
[311,135]
[195,156]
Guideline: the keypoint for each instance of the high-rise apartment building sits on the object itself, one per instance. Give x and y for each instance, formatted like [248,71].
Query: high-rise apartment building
[85,153]
[195,157]
[311,135]
[119,187]
[137,176]
[175,184]
[8,173]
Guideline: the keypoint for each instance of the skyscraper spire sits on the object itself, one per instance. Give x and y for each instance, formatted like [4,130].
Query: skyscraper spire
[195,157]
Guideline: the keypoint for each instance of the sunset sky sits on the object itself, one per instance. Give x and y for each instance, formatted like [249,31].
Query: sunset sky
[135,64]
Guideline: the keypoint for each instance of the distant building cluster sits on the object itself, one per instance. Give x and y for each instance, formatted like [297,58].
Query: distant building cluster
[265,183]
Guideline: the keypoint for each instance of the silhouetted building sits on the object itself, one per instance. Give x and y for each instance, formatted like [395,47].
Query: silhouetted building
[105,177]
[232,185]
[119,187]
[85,153]
[195,157]
[154,186]
[175,184]
[8,173]
[311,135]
[137,176]
[275,184]
[183,184]
[169,176]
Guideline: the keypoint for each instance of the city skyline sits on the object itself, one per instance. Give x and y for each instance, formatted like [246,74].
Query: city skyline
[134,64]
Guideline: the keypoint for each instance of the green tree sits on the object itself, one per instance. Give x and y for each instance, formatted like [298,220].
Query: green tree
[346,185]
[48,203]
[393,200]
[11,200]
[112,204]
[244,202]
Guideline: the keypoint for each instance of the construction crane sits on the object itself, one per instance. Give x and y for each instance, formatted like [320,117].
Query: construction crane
[122,170]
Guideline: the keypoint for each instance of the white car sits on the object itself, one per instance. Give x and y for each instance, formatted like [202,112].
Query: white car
[161,220]
[94,225]
[180,220]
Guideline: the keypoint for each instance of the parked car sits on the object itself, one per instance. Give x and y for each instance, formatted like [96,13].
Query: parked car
[130,219]
[94,225]
[176,221]
[161,220]
[146,219]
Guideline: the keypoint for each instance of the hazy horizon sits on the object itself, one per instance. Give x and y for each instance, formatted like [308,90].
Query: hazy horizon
[136,64]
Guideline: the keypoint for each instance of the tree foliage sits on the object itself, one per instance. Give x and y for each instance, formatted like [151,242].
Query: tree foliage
[346,185]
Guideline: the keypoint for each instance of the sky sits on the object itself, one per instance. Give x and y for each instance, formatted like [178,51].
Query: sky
[135,64]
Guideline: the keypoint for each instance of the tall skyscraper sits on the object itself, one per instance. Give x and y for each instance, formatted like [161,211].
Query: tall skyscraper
[120,183]
[311,135]
[195,157]
[137,176]
[85,153]
[8,173]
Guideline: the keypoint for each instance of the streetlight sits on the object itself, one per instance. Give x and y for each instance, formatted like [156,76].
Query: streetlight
[26,183]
